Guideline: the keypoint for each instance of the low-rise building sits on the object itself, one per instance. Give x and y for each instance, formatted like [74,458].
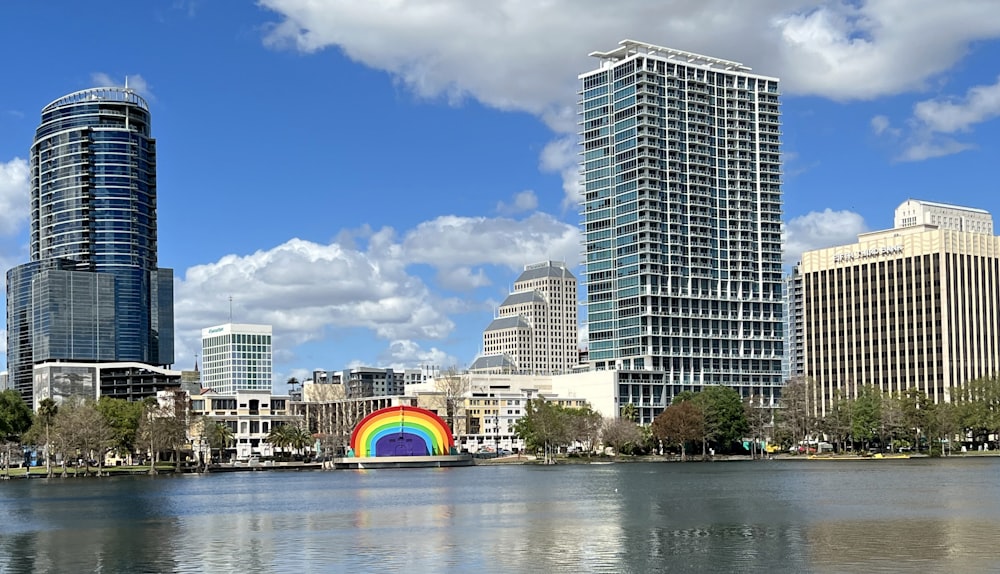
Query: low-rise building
[250,415]
[131,381]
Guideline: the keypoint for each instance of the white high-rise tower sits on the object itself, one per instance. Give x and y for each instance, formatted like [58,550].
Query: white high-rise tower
[682,220]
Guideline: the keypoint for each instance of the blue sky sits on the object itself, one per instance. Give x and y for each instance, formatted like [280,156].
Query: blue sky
[370,177]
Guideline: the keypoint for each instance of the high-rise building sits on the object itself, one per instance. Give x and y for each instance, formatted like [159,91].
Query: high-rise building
[792,363]
[681,166]
[913,307]
[92,290]
[943,216]
[536,330]
[236,357]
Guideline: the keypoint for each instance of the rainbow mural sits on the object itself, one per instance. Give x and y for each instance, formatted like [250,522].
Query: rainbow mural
[401,431]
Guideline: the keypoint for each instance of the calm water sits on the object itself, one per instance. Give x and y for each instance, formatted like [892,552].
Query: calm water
[777,516]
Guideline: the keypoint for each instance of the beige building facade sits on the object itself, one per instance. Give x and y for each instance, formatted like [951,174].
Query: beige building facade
[535,330]
[911,307]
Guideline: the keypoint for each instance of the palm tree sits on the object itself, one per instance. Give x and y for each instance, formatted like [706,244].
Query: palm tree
[278,436]
[47,410]
[219,435]
[298,437]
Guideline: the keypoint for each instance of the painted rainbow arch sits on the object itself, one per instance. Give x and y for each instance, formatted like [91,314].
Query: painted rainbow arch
[401,431]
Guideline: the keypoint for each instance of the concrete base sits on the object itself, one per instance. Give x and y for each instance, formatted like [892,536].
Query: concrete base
[401,462]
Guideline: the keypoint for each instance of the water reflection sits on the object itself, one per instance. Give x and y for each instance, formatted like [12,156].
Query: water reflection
[718,517]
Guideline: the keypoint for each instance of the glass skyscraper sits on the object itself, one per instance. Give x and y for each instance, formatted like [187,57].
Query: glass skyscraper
[682,222]
[92,291]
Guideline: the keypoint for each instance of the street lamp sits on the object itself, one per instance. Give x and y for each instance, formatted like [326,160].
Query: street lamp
[496,431]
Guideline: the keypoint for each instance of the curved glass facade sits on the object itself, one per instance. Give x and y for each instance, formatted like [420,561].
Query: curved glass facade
[93,207]
[93,184]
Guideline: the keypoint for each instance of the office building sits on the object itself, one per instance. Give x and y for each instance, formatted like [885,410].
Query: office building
[792,365]
[943,216]
[535,330]
[236,357]
[913,307]
[681,166]
[92,291]
[250,415]
[130,381]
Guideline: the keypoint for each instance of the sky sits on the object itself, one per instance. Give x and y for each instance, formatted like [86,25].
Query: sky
[370,177]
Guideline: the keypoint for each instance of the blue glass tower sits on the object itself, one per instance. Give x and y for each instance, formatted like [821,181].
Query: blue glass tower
[92,291]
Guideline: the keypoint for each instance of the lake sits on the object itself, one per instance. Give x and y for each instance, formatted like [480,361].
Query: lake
[920,515]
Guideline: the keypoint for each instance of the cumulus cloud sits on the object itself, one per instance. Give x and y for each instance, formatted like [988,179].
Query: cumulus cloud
[819,229]
[307,291]
[950,115]
[525,56]
[135,82]
[406,354]
[463,278]
[930,131]
[522,201]
[14,200]
[880,124]
[561,156]
[451,241]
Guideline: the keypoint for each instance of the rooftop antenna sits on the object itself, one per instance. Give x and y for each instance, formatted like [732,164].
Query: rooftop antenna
[230,308]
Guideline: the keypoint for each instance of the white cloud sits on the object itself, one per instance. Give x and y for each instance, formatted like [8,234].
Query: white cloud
[952,115]
[929,130]
[135,82]
[880,124]
[450,241]
[406,354]
[14,200]
[819,229]
[927,147]
[561,156]
[463,278]
[520,55]
[516,55]
[303,289]
[522,201]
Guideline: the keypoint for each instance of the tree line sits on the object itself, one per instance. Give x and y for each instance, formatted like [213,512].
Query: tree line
[876,419]
[83,432]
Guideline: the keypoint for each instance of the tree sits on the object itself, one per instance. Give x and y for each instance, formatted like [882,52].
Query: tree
[946,420]
[796,414]
[47,410]
[219,436]
[892,419]
[916,410]
[629,412]
[837,422]
[123,417]
[15,416]
[583,425]
[161,428]
[278,436]
[758,417]
[543,426]
[679,424]
[725,418]
[452,387]
[617,433]
[979,407]
[80,430]
[15,420]
[866,415]
[298,438]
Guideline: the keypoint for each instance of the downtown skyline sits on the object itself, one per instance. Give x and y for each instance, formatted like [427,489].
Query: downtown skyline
[370,181]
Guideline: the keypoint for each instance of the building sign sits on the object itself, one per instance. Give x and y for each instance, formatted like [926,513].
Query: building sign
[867,253]
[216,330]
